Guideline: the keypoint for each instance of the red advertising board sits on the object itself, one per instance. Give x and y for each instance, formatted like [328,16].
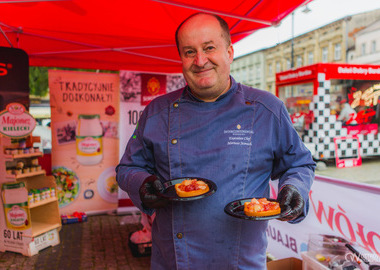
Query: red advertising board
[293,76]
[152,86]
[332,71]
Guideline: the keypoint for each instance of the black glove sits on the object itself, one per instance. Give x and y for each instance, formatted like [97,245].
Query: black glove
[148,193]
[290,201]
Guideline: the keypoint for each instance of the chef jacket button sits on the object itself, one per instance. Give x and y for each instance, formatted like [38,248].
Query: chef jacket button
[175,105]
[248,103]
[179,235]
[174,141]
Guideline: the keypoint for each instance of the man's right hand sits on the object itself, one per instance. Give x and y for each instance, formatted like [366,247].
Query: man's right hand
[148,193]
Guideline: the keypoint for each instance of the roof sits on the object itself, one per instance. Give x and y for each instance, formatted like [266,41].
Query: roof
[121,35]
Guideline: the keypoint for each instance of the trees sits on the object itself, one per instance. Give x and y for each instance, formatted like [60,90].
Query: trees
[38,81]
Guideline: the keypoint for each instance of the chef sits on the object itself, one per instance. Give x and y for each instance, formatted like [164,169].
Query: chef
[217,129]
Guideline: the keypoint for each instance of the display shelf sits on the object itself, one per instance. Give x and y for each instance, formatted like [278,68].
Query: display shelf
[43,202]
[24,175]
[40,227]
[17,156]
[43,217]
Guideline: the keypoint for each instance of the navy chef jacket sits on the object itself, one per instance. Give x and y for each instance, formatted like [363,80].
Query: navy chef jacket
[240,141]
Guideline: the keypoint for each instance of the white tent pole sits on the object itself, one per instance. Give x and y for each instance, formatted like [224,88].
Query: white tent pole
[247,13]
[244,18]
[106,49]
[96,48]
[5,36]
[29,1]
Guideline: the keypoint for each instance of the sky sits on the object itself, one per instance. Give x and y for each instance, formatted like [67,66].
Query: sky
[322,12]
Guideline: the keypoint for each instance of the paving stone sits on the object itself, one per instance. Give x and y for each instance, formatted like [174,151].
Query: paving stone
[101,243]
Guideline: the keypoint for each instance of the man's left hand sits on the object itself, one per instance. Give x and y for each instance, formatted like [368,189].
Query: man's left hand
[290,201]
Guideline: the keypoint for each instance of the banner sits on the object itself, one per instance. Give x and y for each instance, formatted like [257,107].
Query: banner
[152,86]
[337,207]
[131,92]
[14,77]
[85,143]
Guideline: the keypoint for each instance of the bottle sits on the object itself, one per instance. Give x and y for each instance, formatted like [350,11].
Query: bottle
[15,198]
[52,192]
[89,139]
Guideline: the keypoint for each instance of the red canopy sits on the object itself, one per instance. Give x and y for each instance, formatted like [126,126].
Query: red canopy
[121,34]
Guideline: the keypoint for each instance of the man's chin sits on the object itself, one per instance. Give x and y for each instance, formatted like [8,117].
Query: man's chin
[205,83]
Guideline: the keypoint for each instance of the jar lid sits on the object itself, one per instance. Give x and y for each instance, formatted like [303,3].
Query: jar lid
[88,116]
[13,185]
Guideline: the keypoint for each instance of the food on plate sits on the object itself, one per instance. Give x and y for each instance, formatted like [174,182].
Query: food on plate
[111,184]
[261,207]
[191,187]
[67,185]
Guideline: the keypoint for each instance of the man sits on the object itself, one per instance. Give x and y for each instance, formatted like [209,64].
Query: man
[217,129]
[347,114]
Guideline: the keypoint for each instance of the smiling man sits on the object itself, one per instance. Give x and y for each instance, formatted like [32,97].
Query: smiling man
[216,129]
[206,52]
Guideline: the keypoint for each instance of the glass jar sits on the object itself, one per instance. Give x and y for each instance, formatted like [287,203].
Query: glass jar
[89,139]
[15,198]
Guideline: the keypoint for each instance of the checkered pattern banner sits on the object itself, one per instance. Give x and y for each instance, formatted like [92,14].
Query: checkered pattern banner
[325,128]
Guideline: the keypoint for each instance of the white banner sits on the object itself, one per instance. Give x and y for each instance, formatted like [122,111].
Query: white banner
[130,111]
[337,207]
[129,115]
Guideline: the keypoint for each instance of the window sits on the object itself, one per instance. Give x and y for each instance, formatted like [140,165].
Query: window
[373,46]
[258,72]
[237,75]
[310,58]
[363,50]
[299,61]
[337,51]
[288,64]
[270,70]
[324,55]
[250,73]
[278,66]
[244,75]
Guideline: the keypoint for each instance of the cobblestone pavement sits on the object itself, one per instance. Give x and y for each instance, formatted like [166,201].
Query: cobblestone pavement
[100,243]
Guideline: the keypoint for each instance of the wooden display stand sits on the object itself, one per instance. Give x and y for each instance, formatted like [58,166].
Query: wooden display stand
[45,221]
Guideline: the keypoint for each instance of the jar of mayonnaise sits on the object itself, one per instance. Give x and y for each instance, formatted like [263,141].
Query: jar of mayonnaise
[15,199]
[89,139]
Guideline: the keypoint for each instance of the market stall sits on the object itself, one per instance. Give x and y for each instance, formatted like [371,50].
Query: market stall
[335,109]
[29,213]
[122,35]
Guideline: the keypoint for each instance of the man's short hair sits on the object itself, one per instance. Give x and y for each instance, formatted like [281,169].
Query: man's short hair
[223,24]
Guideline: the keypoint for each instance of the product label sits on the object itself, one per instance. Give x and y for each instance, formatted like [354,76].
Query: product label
[15,121]
[17,216]
[89,145]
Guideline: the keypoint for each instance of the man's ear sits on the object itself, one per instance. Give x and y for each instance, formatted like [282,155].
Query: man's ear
[230,51]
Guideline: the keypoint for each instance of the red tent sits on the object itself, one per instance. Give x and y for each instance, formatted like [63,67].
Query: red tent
[121,34]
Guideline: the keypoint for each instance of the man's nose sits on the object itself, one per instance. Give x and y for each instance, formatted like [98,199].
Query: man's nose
[200,59]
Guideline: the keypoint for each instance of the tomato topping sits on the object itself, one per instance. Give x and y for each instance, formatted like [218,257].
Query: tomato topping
[192,186]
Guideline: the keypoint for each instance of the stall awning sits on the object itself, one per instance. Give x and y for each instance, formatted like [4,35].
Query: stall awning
[121,34]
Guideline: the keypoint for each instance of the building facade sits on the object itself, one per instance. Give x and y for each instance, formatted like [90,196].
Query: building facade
[249,69]
[332,43]
[367,46]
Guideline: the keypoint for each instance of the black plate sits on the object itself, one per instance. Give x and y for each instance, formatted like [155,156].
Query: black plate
[170,194]
[236,209]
